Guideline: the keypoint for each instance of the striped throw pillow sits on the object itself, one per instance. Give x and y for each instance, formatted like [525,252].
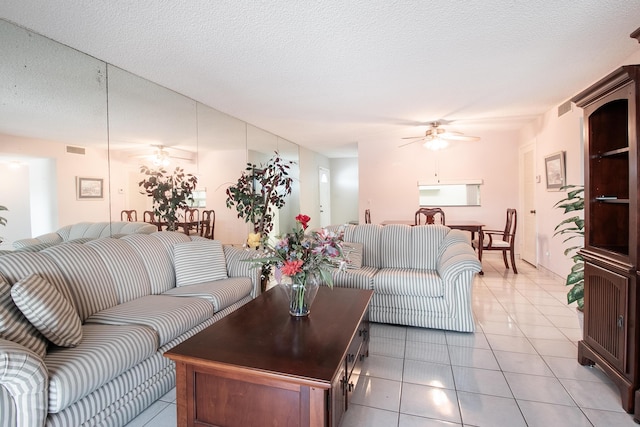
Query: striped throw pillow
[353,253]
[199,261]
[13,325]
[48,311]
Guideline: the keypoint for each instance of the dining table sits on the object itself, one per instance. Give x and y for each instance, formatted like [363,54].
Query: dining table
[466,225]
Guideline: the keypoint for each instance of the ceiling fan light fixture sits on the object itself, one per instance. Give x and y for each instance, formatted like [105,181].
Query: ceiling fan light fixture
[160,158]
[436,144]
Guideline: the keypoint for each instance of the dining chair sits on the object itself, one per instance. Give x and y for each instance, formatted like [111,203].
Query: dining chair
[367,216]
[429,216]
[150,217]
[208,223]
[129,215]
[502,240]
[191,221]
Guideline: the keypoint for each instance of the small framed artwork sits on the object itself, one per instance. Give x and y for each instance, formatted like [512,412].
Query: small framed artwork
[555,171]
[89,188]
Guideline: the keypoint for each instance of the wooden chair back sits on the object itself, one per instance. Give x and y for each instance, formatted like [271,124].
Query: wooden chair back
[208,224]
[129,215]
[429,215]
[367,216]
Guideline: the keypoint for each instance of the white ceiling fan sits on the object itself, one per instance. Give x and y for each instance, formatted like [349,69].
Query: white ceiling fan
[161,154]
[437,138]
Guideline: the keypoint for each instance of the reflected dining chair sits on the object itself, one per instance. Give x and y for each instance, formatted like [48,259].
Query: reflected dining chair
[429,216]
[191,221]
[129,215]
[208,223]
[367,216]
[502,240]
[150,217]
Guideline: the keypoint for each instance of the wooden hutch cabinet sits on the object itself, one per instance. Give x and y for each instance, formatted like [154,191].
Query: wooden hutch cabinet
[612,310]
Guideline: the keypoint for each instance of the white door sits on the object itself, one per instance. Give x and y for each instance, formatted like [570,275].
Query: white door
[324,185]
[528,215]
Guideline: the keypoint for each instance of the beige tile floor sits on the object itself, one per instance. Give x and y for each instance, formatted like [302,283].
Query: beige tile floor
[518,369]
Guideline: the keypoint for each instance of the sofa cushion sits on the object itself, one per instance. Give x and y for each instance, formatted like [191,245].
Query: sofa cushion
[353,253]
[401,281]
[105,352]
[361,278]
[221,293]
[396,246]
[125,267]
[16,266]
[47,310]
[156,259]
[15,327]
[87,277]
[170,238]
[199,261]
[425,245]
[369,236]
[167,315]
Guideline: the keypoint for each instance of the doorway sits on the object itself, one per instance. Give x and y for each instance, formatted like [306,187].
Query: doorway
[324,187]
[528,203]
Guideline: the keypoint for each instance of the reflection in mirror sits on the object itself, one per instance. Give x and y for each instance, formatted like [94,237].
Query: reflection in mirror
[53,129]
[459,194]
[286,216]
[222,156]
[149,125]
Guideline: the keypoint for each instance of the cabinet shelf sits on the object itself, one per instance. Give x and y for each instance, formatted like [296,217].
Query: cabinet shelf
[606,199]
[612,153]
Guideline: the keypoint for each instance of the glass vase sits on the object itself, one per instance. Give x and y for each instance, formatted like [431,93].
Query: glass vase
[301,294]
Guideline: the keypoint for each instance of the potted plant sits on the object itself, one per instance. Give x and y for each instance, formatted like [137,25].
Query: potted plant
[573,228]
[170,192]
[259,190]
[3,221]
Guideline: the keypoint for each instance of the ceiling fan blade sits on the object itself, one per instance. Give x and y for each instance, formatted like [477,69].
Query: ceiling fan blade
[409,143]
[454,137]
[413,137]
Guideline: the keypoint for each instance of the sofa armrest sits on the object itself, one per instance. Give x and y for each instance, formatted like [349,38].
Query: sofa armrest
[24,376]
[49,239]
[456,259]
[238,267]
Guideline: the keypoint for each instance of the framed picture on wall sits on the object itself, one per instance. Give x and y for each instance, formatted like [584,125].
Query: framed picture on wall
[555,171]
[89,188]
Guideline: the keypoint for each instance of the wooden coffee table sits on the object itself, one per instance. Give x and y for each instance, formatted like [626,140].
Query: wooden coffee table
[259,366]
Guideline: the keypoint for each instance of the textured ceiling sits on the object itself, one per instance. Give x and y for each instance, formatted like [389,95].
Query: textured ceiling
[327,74]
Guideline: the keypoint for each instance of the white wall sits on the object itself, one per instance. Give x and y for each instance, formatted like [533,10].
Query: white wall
[389,177]
[344,190]
[14,188]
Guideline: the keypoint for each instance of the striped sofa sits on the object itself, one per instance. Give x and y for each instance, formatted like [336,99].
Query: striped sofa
[83,327]
[421,276]
[84,231]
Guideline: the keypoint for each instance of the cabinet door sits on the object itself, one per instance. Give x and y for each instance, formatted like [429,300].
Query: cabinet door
[338,396]
[606,317]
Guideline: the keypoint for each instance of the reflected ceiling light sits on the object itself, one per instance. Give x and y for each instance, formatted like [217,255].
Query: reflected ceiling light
[435,144]
[160,158]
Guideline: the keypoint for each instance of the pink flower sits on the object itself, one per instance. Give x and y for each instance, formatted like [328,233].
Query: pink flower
[303,220]
[291,268]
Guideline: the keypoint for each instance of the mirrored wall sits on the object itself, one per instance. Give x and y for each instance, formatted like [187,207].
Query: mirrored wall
[65,115]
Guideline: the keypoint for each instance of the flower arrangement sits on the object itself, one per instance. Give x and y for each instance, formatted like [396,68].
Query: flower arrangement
[303,256]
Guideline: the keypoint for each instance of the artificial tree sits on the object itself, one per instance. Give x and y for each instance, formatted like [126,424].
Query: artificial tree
[573,228]
[3,221]
[259,190]
[170,192]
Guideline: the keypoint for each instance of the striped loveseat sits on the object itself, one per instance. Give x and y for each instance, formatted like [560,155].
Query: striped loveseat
[83,327]
[421,276]
[84,231]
